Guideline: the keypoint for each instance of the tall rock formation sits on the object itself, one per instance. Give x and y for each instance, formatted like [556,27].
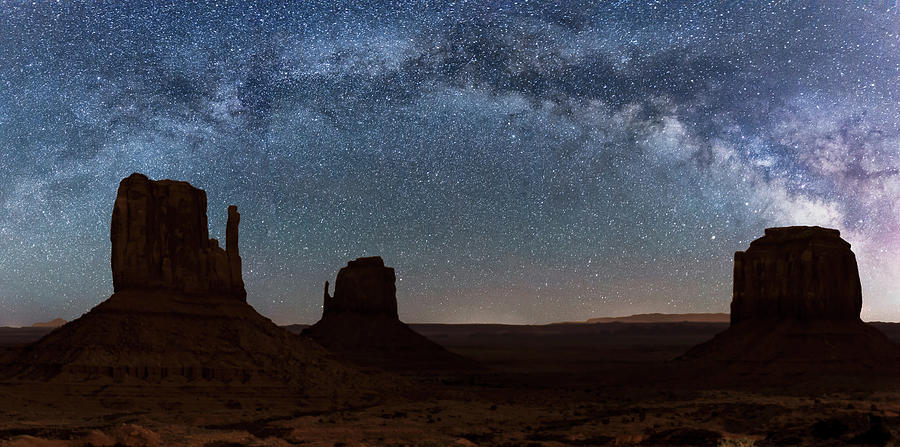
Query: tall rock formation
[365,286]
[232,250]
[160,240]
[360,323]
[805,273]
[179,311]
[796,308]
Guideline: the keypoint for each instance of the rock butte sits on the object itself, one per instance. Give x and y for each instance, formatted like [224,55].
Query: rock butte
[806,273]
[160,240]
[360,322]
[179,311]
[366,287]
[796,308]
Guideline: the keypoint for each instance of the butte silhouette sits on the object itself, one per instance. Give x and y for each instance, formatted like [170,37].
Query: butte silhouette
[795,308]
[179,311]
[360,323]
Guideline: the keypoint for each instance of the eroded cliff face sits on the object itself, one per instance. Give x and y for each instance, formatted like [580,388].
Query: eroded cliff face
[160,240]
[365,286]
[805,273]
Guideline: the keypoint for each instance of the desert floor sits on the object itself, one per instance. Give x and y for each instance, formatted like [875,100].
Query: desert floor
[557,385]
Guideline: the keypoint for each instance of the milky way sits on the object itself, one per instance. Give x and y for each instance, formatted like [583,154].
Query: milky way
[514,161]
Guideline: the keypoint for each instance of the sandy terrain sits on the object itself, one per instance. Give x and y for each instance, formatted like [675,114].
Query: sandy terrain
[556,385]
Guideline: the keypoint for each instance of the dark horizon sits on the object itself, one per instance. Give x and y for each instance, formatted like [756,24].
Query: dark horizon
[515,163]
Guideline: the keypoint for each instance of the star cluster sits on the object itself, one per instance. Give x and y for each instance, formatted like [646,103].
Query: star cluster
[515,161]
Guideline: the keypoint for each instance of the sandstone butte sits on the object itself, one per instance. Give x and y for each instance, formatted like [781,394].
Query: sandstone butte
[360,322]
[179,312]
[796,308]
[160,240]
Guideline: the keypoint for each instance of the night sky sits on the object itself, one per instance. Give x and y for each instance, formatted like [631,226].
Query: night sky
[514,161]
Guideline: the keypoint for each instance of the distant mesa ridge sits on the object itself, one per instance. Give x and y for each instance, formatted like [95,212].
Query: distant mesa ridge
[56,322]
[796,303]
[160,240]
[664,318]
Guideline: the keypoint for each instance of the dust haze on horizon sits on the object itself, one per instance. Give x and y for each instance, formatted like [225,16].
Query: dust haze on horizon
[515,162]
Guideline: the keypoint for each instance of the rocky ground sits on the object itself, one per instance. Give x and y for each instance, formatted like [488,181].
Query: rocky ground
[602,384]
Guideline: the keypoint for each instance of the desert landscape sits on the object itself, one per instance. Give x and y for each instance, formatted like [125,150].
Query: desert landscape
[177,357]
[554,385]
[460,223]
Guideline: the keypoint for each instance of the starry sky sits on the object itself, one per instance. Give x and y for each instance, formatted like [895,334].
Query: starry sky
[515,161]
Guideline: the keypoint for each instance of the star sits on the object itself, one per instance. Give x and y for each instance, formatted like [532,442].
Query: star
[534,162]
